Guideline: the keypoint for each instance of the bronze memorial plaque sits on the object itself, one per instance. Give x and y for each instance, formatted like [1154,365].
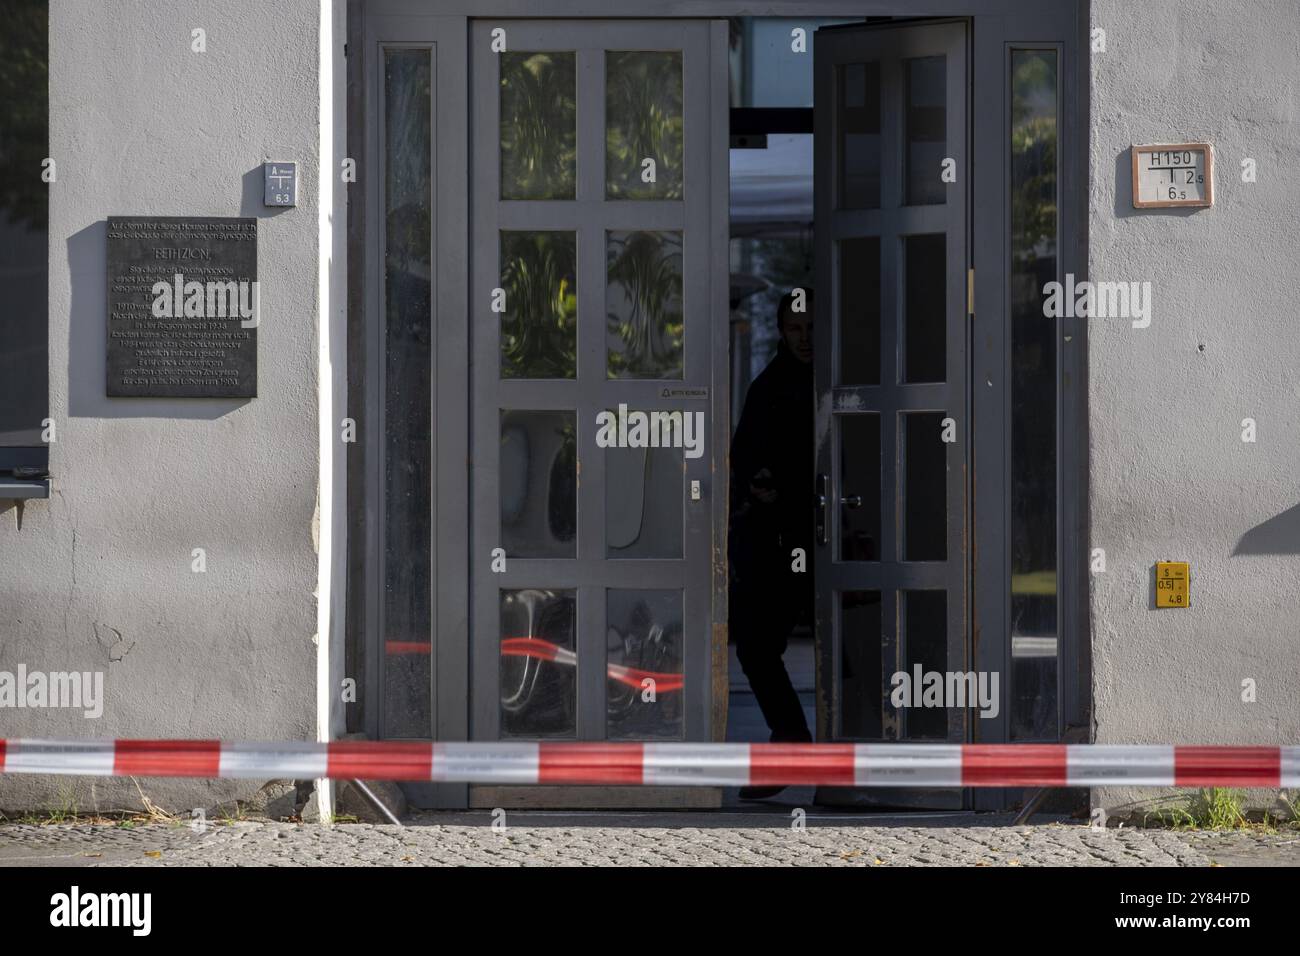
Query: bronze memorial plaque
[182,307]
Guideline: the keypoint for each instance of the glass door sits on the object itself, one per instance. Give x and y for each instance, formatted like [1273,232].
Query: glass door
[592,307]
[892,389]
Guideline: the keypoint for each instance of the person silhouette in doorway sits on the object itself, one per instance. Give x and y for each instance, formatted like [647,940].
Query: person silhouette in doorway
[771,588]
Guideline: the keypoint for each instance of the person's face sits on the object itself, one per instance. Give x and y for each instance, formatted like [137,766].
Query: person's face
[797,330]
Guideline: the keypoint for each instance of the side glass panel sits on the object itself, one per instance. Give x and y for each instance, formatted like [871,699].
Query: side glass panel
[539,126]
[859,312]
[539,672]
[643,498]
[643,125]
[857,121]
[539,327]
[860,463]
[926,80]
[643,301]
[1034,226]
[861,677]
[407,355]
[644,671]
[539,484]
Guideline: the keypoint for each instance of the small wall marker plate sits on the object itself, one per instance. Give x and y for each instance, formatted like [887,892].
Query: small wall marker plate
[1172,584]
[1173,174]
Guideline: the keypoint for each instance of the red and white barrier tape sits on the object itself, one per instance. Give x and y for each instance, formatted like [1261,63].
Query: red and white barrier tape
[671,764]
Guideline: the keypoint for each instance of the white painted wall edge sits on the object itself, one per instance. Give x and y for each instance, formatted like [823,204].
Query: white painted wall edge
[331,385]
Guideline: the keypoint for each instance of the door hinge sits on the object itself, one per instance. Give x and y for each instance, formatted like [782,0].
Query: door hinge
[970,291]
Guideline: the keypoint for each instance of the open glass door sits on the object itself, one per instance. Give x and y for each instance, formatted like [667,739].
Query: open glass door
[893,429]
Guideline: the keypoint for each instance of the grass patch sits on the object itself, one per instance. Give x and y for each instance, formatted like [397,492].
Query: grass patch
[1219,809]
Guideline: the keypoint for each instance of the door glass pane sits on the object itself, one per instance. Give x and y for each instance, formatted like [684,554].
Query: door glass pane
[860,670]
[644,672]
[407,355]
[925,483]
[643,300]
[858,123]
[643,125]
[860,483]
[539,327]
[925,332]
[859,317]
[925,638]
[643,499]
[539,665]
[926,79]
[539,484]
[539,128]
[1033,395]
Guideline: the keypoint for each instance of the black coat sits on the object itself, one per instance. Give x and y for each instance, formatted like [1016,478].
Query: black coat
[776,433]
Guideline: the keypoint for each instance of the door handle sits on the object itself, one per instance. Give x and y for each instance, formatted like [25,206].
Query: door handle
[822,501]
[852,501]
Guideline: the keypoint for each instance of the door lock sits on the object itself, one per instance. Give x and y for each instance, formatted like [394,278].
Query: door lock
[696,494]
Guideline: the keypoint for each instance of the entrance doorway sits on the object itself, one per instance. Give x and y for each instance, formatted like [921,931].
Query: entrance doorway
[543,246]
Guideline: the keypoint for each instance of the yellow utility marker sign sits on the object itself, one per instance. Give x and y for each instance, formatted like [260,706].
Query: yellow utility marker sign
[1172,585]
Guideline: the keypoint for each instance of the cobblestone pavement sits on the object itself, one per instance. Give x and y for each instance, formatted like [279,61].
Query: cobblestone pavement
[635,839]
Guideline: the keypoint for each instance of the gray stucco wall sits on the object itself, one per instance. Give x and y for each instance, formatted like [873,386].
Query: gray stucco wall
[1171,478]
[98,578]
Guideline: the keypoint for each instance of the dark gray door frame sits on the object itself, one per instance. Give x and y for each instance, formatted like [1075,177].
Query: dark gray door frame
[997,27]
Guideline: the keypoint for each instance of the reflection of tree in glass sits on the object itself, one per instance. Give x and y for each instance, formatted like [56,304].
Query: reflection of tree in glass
[539,329]
[643,116]
[1033,156]
[538,125]
[1034,226]
[645,304]
[24,131]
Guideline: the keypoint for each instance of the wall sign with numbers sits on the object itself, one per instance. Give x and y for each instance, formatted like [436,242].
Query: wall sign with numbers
[1177,174]
[1173,585]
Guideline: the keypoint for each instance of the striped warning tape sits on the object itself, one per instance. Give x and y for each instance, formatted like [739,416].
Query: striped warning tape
[671,764]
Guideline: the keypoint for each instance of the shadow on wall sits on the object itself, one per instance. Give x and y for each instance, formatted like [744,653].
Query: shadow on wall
[88,326]
[1278,535]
